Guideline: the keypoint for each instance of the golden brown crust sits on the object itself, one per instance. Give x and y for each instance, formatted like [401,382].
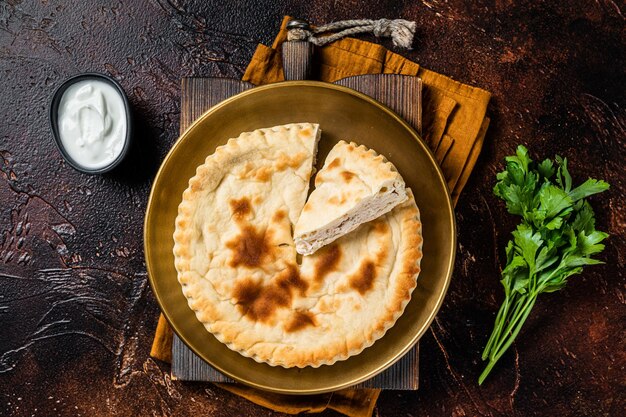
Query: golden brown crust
[240,273]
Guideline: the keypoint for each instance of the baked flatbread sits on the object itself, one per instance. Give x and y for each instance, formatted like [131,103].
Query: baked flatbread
[355,186]
[238,266]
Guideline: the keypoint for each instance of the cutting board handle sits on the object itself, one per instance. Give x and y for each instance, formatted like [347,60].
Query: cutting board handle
[298,60]
[298,52]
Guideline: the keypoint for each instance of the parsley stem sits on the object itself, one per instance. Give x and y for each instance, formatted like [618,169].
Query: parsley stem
[523,308]
[498,324]
[502,319]
[510,338]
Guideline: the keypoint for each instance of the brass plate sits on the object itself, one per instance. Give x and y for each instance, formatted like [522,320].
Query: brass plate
[342,114]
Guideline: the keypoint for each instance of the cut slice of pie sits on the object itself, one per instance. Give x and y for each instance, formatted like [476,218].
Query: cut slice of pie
[356,185]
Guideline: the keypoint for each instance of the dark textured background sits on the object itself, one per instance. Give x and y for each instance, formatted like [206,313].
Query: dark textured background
[77,313]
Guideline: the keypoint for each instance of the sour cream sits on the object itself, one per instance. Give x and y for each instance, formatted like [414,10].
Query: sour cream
[92,123]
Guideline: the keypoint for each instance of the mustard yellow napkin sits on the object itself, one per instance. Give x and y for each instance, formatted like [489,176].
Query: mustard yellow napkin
[454,126]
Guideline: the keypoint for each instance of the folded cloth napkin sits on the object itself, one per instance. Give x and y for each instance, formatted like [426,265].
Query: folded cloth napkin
[454,126]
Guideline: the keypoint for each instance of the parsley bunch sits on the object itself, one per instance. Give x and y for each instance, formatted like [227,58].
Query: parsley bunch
[555,239]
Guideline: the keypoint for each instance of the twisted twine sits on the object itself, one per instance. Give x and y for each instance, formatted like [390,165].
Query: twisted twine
[400,31]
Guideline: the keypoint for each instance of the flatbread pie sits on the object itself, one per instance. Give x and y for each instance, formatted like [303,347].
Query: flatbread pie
[355,186]
[238,267]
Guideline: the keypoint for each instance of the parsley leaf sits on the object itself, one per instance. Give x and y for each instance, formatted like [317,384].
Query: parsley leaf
[546,169]
[584,220]
[588,188]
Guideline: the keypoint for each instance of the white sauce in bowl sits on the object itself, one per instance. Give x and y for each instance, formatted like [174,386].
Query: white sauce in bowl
[92,123]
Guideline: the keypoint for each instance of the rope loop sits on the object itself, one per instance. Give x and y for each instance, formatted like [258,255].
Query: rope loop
[400,31]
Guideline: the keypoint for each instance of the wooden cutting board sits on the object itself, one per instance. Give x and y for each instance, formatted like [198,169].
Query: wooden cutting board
[403,94]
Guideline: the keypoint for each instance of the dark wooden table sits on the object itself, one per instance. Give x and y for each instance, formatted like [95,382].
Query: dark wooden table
[76,311]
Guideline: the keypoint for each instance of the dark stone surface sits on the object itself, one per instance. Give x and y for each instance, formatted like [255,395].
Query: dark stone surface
[76,312]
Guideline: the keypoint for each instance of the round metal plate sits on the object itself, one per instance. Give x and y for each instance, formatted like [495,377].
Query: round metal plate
[342,114]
